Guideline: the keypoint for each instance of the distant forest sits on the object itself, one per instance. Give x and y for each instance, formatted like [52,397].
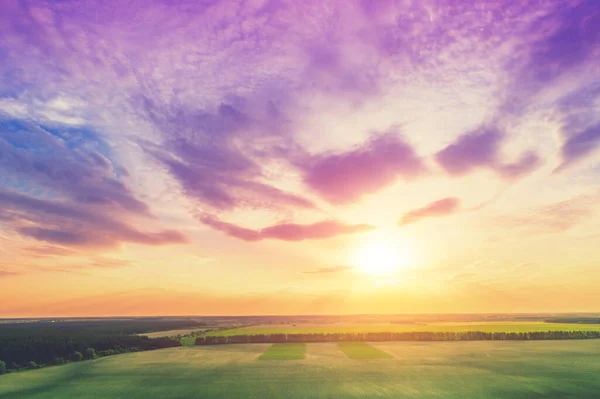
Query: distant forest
[398,336]
[575,320]
[41,343]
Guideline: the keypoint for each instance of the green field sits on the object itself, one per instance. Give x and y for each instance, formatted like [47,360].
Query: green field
[362,350]
[363,328]
[284,352]
[448,370]
[188,341]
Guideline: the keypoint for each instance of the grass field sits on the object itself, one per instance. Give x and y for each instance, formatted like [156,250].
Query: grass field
[448,370]
[362,350]
[188,341]
[452,327]
[284,352]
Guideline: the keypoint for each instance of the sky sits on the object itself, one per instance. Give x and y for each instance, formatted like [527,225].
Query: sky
[299,157]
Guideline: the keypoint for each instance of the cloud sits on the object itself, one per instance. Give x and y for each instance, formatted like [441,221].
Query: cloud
[64,224]
[327,270]
[231,229]
[528,162]
[579,146]
[211,155]
[443,207]
[480,149]
[287,231]
[64,189]
[574,36]
[70,161]
[345,177]
[108,263]
[553,218]
[5,273]
[83,265]
[43,251]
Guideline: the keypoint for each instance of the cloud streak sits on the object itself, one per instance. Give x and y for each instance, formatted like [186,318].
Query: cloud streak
[64,224]
[443,207]
[287,231]
[329,270]
[553,218]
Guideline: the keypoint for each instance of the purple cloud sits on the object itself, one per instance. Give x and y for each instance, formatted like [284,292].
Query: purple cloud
[204,153]
[579,146]
[470,151]
[443,207]
[528,162]
[287,231]
[480,149]
[575,35]
[346,177]
[49,158]
[64,224]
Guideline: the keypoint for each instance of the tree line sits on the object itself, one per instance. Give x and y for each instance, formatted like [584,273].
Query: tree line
[36,344]
[33,353]
[398,336]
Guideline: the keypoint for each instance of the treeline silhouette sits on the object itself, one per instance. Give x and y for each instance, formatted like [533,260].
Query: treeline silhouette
[575,320]
[398,336]
[36,344]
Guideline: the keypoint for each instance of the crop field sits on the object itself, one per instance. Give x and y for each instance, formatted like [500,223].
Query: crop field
[188,341]
[361,350]
[284,352]
[388,327]
[449,370]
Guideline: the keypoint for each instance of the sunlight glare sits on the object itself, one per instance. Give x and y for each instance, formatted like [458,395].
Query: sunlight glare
[381,256]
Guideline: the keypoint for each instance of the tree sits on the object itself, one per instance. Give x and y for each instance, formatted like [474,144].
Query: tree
[77,356]
[90,353]
[2,367]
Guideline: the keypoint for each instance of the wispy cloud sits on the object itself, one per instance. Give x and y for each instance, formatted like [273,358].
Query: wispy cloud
[6,273]
[443,207]
[64,224]
[328,270]
[287,231]
[553,218]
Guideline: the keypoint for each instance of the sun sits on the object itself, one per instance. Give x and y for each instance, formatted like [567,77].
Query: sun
[381,256]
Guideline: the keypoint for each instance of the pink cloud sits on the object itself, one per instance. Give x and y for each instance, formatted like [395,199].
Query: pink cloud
[346,177]
[287,231]
[443,207]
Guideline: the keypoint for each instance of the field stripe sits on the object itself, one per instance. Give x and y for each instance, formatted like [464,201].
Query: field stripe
[362,350]
[284,352]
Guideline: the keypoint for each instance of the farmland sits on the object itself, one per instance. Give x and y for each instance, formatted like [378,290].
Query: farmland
[389,327]
[361,350]
[284,352]
[522,370]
